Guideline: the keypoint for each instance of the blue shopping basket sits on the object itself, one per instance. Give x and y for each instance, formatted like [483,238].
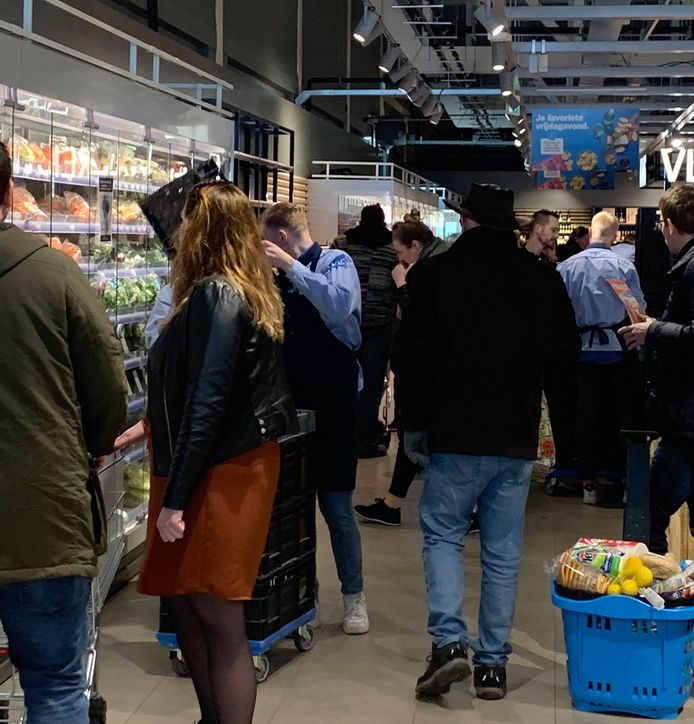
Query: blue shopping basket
[624,656]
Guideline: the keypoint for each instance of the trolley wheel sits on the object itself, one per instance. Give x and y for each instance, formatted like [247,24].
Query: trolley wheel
[304,638]
[97,709]
[179,666]
[262,668]
[551,486]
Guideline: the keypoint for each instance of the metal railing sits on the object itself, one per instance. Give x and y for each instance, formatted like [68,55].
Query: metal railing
[192,92]
[380,171]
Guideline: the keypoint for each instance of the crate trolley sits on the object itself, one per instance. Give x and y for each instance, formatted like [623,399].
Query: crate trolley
[283,604]
[12,708]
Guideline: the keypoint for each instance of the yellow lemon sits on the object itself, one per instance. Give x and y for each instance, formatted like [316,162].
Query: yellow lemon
[630,588]
[614,589]
[630,567]
[644,577]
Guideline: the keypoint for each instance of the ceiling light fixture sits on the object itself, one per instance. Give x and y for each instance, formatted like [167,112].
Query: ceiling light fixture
[491,24]
[676,141]
[420,94]
[430,105]
[522,130]
[400,70]
[498,57]
[409,82]
[389,59]
[518,143]
[506,84]
[436,116]
[369,27]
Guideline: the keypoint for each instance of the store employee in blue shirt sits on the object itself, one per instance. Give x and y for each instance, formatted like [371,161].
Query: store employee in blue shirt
[606,373]
[322,300]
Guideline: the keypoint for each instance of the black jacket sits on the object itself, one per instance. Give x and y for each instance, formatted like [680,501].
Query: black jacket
[217,388]
[483,320]
[372,251]
[670,343]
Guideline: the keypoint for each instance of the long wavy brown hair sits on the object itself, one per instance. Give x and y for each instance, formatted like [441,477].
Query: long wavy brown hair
[219,236]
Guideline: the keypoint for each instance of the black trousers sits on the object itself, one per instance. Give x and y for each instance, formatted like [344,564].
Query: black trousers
[672,485]
[560,390]
[405,470]
[376,347]
[608,401]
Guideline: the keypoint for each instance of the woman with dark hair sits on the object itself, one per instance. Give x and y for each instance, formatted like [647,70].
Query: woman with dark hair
[578,241]
[218,402]
[414,243]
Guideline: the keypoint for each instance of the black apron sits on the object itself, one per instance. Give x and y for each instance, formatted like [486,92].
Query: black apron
[323,376]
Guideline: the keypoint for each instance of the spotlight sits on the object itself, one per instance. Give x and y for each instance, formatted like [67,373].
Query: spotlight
[420,94]
[400,71]
[430,105]
[498,57]
[518,142]
[491,24]
[369,27]
[436,116]
[409,82]
[506,83]
[522,130]
[389,59]
[676,141]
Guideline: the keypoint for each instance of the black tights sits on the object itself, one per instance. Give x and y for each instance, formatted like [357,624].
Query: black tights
[212,636]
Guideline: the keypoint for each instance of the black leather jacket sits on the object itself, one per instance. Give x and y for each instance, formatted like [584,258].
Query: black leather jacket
[217,388]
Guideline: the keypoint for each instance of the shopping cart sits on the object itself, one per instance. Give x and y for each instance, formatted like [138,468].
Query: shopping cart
[11,697]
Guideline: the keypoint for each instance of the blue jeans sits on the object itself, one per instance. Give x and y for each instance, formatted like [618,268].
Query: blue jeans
[46,626]
[672,480]
[453,485]
[336,507]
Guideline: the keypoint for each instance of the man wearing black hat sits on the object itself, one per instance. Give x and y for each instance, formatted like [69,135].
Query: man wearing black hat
[483,320]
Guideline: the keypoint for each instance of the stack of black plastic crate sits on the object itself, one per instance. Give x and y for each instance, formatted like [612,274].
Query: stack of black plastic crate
[285,589]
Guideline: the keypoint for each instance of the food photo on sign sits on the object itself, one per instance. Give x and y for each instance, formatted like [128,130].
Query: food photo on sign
[581,149]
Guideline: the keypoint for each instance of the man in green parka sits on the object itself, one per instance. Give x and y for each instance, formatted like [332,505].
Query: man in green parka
[62,400]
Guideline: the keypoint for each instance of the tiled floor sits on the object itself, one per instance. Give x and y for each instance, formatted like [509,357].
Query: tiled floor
[370,679]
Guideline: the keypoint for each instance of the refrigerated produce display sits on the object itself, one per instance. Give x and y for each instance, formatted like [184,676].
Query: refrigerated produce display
[60,152]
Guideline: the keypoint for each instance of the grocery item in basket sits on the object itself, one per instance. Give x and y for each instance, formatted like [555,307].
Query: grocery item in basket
[684,593]
[24,204]
[662,566]
[76,206]
[606,556]
[578,576]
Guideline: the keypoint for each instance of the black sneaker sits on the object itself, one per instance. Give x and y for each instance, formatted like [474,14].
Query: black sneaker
[490,682]
[379,513]
[447,665]
[474,524]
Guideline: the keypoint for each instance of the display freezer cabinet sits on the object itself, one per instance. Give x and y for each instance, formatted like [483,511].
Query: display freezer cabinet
[60,154]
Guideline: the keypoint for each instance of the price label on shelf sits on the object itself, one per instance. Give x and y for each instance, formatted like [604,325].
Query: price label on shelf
[105,206]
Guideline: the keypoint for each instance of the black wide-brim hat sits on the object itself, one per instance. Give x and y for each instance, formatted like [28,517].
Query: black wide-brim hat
[489,205]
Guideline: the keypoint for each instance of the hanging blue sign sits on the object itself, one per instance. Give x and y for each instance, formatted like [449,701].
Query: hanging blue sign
[581,142]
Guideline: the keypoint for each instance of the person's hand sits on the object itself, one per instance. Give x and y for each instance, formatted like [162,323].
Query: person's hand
[416,446]
[399,275]
[132,435]
[278,258]
[635,334]
[171,525]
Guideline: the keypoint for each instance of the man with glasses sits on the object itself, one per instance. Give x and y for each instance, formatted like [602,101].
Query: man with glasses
[669,343]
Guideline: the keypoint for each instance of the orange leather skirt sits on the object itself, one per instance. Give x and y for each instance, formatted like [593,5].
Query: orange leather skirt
[227,523]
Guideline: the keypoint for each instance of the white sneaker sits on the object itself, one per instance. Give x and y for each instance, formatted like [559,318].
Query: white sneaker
[590,495]
[356,620]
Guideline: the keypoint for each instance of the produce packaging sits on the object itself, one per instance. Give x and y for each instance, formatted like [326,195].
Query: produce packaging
[599,566]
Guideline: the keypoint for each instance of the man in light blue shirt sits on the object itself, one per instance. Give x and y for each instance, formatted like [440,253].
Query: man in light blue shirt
[322,302]
[605,394]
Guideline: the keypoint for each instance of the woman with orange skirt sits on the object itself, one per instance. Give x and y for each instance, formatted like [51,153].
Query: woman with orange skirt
[218,402]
